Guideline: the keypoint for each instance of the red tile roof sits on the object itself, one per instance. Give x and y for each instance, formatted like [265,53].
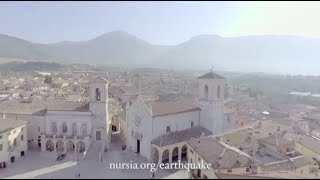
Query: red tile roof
[167,108]
[211,75]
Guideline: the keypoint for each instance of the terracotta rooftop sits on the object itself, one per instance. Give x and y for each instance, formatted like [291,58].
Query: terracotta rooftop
[310,143]
[167,108]
[275,140]
[220,155]
[211,75]
[39,107]
[9,124]
[240,138]
[241,176]
[285,165]
[179,136]
[100,79]
[268,175]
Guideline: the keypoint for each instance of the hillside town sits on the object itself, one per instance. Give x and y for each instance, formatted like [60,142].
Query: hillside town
[87,119]
[160,90]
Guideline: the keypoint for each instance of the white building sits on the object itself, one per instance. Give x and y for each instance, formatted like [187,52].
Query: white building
[13,141]
[67,126]
[75,129]
[159,130]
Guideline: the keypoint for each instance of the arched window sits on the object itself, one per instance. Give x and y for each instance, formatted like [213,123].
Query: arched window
[54,127]
[84,129]
[64,128]
[74,129]
[98,93]
[218,92]
[206,90]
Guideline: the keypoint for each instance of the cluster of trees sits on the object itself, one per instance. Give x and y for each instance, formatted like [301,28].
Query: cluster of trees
[29,66]
[253,92]
[48,79]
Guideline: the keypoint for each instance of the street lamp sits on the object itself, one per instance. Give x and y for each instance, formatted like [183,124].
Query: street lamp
[78,149]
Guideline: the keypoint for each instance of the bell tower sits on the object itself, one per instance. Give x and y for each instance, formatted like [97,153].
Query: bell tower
[211,101]
[98,106]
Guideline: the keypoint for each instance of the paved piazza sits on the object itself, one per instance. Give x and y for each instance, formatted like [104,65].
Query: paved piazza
[39,165]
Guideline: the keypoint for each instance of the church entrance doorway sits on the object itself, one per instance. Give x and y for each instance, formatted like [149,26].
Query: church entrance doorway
[138,146]
[114,128]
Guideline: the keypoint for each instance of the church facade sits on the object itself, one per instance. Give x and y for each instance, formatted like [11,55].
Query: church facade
[159,130]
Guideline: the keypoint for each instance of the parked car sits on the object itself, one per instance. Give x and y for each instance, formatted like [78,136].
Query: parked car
[61,157]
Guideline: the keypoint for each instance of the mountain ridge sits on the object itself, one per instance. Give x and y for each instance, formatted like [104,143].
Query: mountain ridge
[266,53]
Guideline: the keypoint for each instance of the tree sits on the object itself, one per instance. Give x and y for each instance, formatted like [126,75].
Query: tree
[48,79]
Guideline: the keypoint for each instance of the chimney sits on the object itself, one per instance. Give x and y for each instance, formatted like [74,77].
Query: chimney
[4,115]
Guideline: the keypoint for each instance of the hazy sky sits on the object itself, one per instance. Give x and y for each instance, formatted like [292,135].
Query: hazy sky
[156,22]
